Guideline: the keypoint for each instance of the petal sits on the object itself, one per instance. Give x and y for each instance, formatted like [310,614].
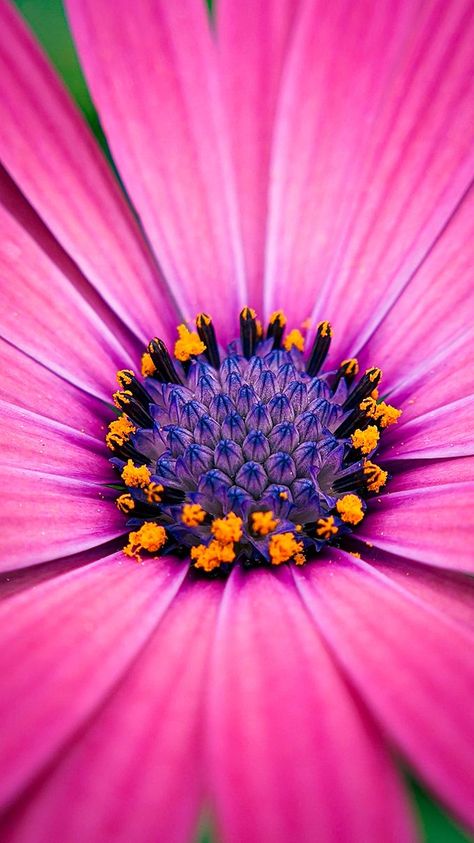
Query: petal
[145,743]
[280,722]
[411,664]
[420,475]
[65,644]
[153,77]
[379,121]
[52,322]
[444,432]
[253,38]
[432,525]
[47,516]
[48,150]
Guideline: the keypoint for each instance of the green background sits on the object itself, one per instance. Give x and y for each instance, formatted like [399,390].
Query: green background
[47,19]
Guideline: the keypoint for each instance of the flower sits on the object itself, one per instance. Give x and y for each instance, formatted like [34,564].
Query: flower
[293,162]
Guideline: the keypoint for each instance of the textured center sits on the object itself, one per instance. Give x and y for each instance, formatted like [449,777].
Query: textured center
[252,456]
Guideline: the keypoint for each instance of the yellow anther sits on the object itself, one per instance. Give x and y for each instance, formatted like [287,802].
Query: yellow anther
[202,320]
[150,537]
[125,503]
[192,514]
[325,329]
[278,316]
[349,509]
[365,440]
[376,476]
[188,345]
[374,374]
[299,559]
[228,529]
[282,547]
[248,313]
[384,413]
[135,476]
[148,367]
[124,377]
[119,432]
[259,328]
[350,366]
[374,394]
[121,397]
[283,496]
[263,522]
[298,528]
[154,492]
[211,556]
[326,527]
[294,338]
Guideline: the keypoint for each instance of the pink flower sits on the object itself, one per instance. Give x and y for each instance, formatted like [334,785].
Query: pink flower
[314,157]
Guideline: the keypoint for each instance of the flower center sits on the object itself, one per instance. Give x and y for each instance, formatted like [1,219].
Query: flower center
[253,456]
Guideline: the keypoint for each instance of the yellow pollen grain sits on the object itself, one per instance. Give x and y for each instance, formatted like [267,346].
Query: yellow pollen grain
[374,394]
[263,522]
[135,476]
[365,440]
[192,514]
[148,367]
[121,397]
[124,377]
[384,413]
[278,316]
[350,366]
[202,319]
[283,496]
[373,373]
[299,559]
[211,556]
[326,527]
[228,529]
[248,313]
[259,328]
[325,329]
[119,432]
[294,338]
[154,492]
[282,547]
[350,509]
[376,476]
[125,503]
[150,537]
[188,345]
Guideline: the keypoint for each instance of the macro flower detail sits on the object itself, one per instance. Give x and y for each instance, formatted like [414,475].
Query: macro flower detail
[234,454]
[236,590]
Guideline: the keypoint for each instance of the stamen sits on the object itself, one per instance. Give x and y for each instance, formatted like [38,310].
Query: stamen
[150,537]
[320,348]
[376,477]
[148,368]
[347,370]
[192,514]
[135,476]
[164,366]
[154,492]
[294,339]
[119,432]
[248,331]
[350,509]
[227,529]
[212,556]
[276,327]
[125,503]
[188,345]
[366,440]
[366,385]
[383,413]
[263,523]
[326,527]
[282,547]
[207,335]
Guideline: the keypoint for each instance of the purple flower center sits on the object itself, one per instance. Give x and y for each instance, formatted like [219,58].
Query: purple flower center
[252,457]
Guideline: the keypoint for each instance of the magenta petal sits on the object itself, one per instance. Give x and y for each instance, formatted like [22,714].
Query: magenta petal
[445,432]
[252,38]
[47,516]
[414,475]
[51,154]
[281,721]
[412,665]
[64,645]
[432,525]
[153,77]
[138,766]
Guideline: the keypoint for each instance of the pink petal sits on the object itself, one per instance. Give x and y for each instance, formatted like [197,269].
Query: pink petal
[51,321]
[138,767]
[28,384]
[47,516]
[65,644]
[379,123]
[280,724]
[50,153]
[153,77]
[40,445]
[444,432]
[252,38]
[432,525]
[412,665]
[414,475]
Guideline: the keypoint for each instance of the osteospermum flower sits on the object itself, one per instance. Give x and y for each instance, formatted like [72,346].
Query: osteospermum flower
[242,591]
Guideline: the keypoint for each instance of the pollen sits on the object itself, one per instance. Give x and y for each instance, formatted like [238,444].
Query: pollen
[148,367]
[125,503]
[135,476]
[192,514]
[121,397]
[228,529]
[350,509]
[350,366]
[211,556]
[325,329]
[326,527]
[282,547]
[365,440]
[263,522]
[124,377]
[188,345]
[384,413]
[150,537]
[278,316]
[374,374]
[283,496]
[299,559]
[248,313]
[154,492]
[119,432]
[376,476]
[294,339]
